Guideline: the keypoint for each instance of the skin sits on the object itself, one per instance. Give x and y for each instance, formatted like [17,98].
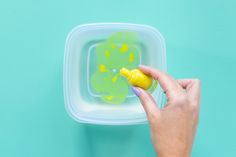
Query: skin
[173,127]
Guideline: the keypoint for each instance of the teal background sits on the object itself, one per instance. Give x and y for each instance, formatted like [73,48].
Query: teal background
[200,40]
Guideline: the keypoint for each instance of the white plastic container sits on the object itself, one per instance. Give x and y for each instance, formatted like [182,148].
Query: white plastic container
[80,102]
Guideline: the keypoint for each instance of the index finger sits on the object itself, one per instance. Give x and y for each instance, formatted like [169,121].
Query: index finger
[167,83]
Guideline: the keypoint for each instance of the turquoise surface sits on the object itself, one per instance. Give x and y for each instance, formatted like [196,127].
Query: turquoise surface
[200,38]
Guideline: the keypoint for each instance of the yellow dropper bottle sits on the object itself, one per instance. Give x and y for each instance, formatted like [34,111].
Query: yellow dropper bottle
[137,78]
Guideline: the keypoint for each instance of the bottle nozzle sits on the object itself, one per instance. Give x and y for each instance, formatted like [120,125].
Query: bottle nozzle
[125,72]
[137,78]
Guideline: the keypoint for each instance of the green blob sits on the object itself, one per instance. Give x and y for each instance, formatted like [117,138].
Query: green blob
[122,49]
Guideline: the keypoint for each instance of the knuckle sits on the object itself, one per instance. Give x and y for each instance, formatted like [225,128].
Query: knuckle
[197,81]
[181,98]
[184,102]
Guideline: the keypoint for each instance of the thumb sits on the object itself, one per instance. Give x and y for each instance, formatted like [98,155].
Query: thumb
[151,108]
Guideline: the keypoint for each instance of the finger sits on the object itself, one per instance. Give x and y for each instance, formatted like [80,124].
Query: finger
[151,108]
[185,83]
[192,87]
[194,91]
[167,83]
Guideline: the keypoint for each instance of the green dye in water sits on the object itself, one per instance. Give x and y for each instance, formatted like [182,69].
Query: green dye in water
[122,49]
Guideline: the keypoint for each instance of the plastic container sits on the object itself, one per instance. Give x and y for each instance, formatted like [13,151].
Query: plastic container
[81,102]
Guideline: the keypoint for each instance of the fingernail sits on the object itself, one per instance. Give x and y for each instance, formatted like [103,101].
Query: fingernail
[136,91]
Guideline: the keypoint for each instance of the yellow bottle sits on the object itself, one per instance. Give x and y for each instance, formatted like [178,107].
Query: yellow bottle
[137,78]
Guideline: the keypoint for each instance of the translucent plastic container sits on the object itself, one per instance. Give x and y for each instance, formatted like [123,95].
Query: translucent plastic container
[81,102]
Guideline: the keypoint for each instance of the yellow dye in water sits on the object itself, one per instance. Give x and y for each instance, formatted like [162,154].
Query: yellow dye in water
[131,57]
[107,53]
[124,48]
[102,68]
[114,79]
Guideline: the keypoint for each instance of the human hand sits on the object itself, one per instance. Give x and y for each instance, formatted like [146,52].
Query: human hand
[173,127]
